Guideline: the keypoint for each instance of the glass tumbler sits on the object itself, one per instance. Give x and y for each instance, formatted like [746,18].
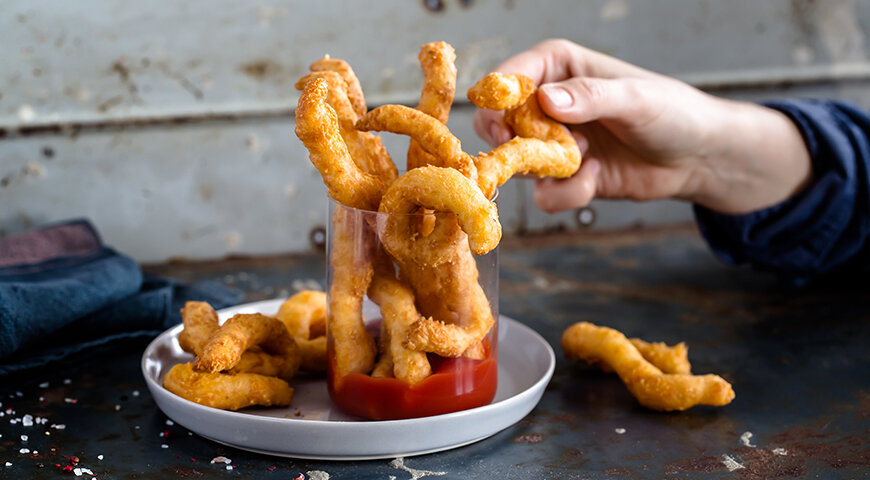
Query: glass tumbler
[380,297]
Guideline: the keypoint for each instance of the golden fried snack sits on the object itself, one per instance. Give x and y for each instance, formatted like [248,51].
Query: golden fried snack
[318,128]
[354,89]
[439,86]
[668,359]
[442,190]
[542,146]
[652,388]
[432,135]
[200,321]
[384,365]
[226,391]
[365,149]
[226,346]
[499,91]
[399,313]
[354,349]
[304,315]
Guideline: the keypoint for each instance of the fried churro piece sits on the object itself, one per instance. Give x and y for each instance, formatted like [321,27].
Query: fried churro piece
[227,345]
[200,321]
[304,315]
[365,149]
[226,391]
[354,89]
[499,91]
[439,86]
[652,388]
[432,135]
[399,313]
[318,128]
[350,257]
[542,146]
[442,190]
[384,365]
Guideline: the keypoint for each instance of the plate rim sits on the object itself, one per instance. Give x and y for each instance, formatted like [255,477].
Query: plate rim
[350,426]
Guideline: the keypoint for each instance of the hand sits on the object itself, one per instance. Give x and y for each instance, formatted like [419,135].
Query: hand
[646,136]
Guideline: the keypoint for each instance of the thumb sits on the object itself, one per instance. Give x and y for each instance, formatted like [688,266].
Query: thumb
[584,99]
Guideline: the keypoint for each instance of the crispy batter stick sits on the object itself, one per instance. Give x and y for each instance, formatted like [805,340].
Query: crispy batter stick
[432,135]
[668,359]
[350,257]
[399,312]
[318,129]
[225,347]
[443,190]
[226,391]
[439,86]
[304,315]
[499,91]
[366,149]
[652,388]
[354,89]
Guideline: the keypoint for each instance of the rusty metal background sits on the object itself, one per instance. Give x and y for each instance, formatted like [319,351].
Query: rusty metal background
[169,123]
[798,361]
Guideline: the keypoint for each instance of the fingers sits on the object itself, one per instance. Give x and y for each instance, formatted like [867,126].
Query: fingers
[554,195]
[583,99]
[489,126]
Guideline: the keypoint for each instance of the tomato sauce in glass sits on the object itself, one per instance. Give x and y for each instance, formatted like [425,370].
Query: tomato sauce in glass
[455,384]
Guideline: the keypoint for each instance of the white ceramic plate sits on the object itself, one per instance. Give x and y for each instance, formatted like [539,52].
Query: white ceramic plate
[313,428]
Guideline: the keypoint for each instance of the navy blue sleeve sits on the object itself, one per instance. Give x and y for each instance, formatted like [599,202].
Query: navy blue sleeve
[823,228]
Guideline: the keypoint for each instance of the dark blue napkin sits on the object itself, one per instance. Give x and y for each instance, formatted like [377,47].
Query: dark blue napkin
[62,291]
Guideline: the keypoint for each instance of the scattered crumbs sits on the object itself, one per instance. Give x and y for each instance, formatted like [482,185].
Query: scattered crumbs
[136,427]
[24,438]
[189,434]
[24,450]
[135,393]
[99,457]
[8,464]
[19,394]
[399,463]
[70,400]
[230,467]
[317,475]
[745,438]
[780,451]
[221,459]
[117,408]
[41,399]
[43,385]
[620,430]
[163,445]
[67,381]
[392,477]
[27,420]
[58,426]
[77,471]
[730,463]
[170,422]
[47,432]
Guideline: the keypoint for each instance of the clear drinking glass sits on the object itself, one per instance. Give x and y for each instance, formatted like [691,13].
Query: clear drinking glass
[361,273]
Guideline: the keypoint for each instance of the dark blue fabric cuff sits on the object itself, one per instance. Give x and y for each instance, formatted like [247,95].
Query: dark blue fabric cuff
[823,228]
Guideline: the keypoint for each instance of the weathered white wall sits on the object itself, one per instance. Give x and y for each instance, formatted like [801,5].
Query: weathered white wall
[169,124]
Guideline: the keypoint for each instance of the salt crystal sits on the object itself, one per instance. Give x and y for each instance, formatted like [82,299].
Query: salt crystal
[41,399]
[58,426]
[230,467]
[67,381]
[8,464]
[745,439]
[170,422]
[24,438]
[47,432]
[117,408]
[221,460]
[24,450]
[780,451]
[88,471]
[78,472]
[27,421]
[99,457]
[43,385]
[731,464]
[620,431]
[163,445]
[19,394]
[70,400]
[136,427]
[135,393]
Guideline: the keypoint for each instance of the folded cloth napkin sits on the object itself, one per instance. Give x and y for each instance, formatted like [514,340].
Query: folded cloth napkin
[62,291]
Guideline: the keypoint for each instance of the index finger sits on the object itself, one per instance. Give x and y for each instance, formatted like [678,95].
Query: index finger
[557,60]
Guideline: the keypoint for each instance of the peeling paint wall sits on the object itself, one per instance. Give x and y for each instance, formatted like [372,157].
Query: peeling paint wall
[169,124]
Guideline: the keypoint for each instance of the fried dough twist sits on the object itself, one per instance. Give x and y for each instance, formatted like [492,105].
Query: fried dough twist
[226,391]
[652,388]
[498,91]
[354,89]
[439,86]
[304,315]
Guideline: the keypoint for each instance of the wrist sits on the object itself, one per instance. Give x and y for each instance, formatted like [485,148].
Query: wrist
[757,159]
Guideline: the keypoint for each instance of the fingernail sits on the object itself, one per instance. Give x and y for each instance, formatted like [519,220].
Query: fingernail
[558,96]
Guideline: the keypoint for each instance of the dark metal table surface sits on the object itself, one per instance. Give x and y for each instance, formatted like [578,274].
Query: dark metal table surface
[798,359]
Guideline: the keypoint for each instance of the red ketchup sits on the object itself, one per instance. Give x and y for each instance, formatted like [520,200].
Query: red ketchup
[455,384]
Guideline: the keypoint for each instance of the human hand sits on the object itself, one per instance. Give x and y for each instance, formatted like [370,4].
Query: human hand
[646,136]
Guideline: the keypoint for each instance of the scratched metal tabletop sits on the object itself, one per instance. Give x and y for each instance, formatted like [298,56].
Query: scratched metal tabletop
[798,359]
